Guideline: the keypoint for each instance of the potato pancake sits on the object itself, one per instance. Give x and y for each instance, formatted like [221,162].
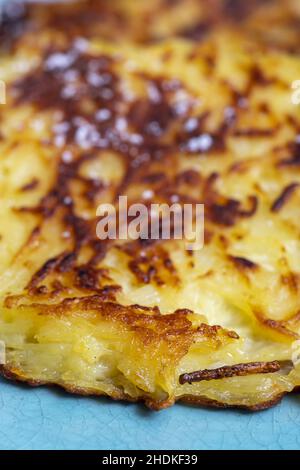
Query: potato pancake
[164,103]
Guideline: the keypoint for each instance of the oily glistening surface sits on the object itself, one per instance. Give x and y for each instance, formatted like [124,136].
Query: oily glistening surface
[117,99]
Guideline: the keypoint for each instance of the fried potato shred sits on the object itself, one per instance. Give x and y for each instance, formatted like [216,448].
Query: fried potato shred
[159,101]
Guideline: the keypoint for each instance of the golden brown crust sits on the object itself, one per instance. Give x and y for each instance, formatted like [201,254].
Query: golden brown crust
[208,121]
[150,403]
[206,402]
[12,374]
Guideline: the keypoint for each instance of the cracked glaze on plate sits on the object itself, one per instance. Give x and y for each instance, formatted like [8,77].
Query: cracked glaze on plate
[49,419]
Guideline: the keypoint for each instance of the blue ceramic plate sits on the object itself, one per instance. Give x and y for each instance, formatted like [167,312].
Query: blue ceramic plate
[50,419]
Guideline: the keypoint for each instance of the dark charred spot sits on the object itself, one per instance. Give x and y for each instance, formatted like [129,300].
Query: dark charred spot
[87,278]
[183,311]
[41,290]
[291,281]
[33,184]
[196,32]
[264,108]
[154,178]
[92,18]
[151,119]
[48,267]
[284,197]
[225,214]
[81,229]
[189,177]
[153,264]
[86,91]
[252,132]
[237,370]
[67,263]
[258,77]
[230,211]
[238,10]
[294,159]
[47,206]
[143,275]
[110,292]
[38,89]
[243,263]
[93,188]
[168,264]
[193,138]
[170,3]
[275,325]
[13,20]
[65,81]
[57,286]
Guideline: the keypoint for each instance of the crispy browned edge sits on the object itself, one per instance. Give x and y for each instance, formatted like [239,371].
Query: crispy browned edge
[11,374]
[202,401]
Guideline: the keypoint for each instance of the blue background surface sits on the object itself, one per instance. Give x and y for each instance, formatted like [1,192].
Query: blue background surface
[51,419]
